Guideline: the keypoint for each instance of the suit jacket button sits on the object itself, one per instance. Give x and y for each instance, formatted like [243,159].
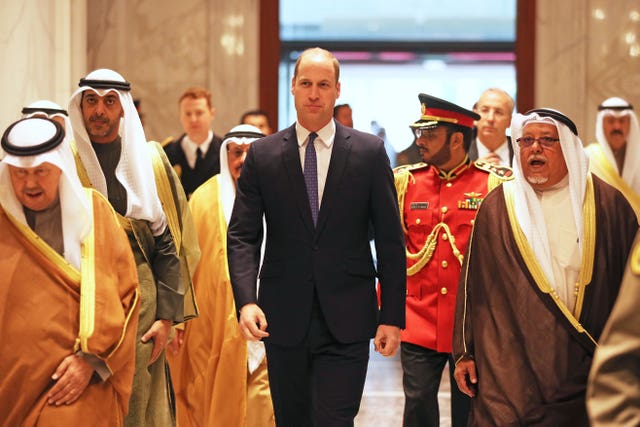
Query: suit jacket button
[443,291]
[315,247]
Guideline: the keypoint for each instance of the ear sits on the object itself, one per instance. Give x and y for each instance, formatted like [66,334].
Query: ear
[293,85]
[457,140]
[337,90]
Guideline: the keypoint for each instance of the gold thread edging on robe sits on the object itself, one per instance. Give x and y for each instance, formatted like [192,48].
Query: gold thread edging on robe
[535,268]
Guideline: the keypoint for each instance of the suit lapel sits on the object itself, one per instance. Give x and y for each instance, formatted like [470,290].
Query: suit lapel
[337,164]
[291,160]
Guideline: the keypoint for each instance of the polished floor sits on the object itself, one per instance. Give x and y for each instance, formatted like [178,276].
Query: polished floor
[383,399]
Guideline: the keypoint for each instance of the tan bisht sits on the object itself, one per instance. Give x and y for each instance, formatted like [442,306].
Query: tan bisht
[601,166]
[613,395]
[50,310]
[209,373]
[151,211]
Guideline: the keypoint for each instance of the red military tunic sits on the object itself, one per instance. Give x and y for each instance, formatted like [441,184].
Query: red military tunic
[438,208]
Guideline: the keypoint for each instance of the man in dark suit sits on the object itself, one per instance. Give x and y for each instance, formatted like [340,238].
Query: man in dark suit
[490,142]
[317,308]
[196,154]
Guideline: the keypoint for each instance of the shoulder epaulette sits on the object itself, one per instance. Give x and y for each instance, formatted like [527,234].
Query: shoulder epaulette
[401,175]
[414,166]
[505,173]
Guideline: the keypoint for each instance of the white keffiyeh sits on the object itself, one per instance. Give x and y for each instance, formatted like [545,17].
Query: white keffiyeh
[135,170]
[630,170]
[527,205]
[255,349]
[74,206]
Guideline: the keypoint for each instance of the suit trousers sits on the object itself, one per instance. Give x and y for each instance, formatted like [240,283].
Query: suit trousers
[422,372]
[318,382]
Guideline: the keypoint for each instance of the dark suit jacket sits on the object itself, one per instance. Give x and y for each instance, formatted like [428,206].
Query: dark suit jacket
[193,178]
[335,257]
[473,149]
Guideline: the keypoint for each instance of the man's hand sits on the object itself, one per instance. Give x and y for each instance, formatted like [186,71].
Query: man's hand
[72,377]
[253,323]
[159,333]
[466,369]
[175,344]
[387,340]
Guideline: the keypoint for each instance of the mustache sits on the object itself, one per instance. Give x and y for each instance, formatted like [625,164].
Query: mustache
[534,157]
[98,118]
[616,132]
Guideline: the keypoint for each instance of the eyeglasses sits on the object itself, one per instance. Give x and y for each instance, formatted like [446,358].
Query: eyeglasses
[545,141]
[425,133]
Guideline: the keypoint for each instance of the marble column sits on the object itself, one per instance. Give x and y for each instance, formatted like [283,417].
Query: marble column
[163,46]
[43,47]
[587,51]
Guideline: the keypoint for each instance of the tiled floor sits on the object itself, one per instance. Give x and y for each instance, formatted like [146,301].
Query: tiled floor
[383,398]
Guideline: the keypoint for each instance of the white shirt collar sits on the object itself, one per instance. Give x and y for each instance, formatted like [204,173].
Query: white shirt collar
[189,146]
[326,134]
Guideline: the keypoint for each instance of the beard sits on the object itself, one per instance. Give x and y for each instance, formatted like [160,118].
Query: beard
[537,180]
[439,158]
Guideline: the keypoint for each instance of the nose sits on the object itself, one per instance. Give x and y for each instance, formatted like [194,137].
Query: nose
[536,147]
[99,107]
[490,115]
[31,181]
[313,94]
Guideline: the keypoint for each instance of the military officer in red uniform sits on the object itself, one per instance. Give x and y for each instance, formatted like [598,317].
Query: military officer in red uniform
[438,201]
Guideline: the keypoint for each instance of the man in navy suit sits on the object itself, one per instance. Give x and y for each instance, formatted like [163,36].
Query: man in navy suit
[317,306]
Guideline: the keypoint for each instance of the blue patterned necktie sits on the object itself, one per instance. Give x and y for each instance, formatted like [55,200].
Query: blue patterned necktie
[311,176]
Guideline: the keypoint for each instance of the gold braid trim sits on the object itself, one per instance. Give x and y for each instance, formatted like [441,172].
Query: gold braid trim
[536,270]
[424,255]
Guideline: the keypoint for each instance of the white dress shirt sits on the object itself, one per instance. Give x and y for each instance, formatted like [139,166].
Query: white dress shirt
[189,147]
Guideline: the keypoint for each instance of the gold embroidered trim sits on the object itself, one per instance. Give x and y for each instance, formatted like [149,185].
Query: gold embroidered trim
[536,270]
[166,195]
[634,260]
[136,296]
[602,167]
[588,245]
[44,247]
[87,284]
[466,297]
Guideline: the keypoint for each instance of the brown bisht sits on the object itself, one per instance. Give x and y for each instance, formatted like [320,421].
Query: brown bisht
[532,354]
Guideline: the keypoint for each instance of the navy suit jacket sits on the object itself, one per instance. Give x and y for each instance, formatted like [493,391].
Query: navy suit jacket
[333,258]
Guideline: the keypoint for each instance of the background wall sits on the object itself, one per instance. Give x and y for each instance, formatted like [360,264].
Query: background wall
[587,51]
[43,45]
[164,46]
